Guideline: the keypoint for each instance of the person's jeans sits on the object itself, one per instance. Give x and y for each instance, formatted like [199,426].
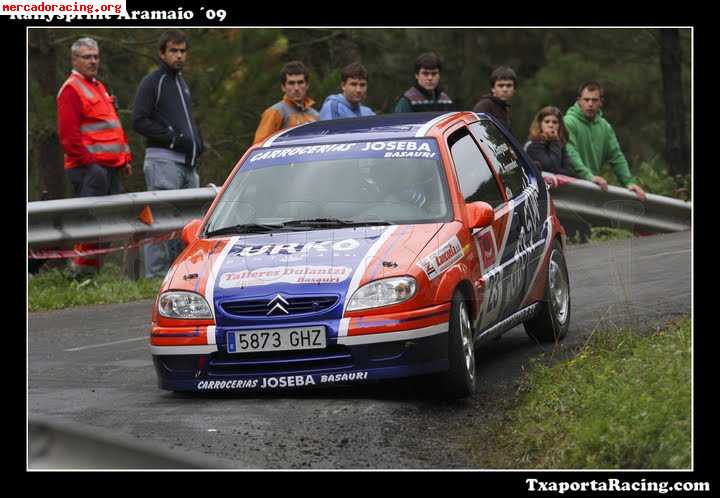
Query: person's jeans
[163,174]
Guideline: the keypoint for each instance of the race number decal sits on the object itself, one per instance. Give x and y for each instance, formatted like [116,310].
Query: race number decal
[492,298]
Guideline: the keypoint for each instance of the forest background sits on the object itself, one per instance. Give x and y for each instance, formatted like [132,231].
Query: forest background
[233,74]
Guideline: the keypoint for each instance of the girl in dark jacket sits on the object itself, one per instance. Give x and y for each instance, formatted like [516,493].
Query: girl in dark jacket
[546,143]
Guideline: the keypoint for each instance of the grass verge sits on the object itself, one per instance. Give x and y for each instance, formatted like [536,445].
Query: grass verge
[602,234]
[622,403]
[54,289]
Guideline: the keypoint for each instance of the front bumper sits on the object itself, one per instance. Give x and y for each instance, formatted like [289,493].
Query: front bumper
[336,364]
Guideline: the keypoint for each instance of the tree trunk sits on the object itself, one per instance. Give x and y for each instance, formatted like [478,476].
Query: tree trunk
[677,149]
[48,155]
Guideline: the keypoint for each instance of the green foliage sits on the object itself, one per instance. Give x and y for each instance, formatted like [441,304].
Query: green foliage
[601,234]
[653,176]
[622,403]
[233,74]
[54,289]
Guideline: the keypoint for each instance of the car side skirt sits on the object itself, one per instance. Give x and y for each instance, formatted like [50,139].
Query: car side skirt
[508,323]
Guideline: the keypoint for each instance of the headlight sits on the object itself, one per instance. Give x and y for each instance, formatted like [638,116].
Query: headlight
[184,305]
[382,293]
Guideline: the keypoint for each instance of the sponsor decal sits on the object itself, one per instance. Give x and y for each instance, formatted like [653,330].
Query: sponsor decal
[295,151]
[510,166]
[399,145]
[403,148]
[437,262]
[343,377]
[289,274]
[280,381]
[226,384]
[428,268]
[417,148]
[531,208]
[294,248]
[487,248]
[501,149]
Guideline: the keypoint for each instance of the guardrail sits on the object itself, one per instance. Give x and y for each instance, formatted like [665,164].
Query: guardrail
[580,199]
[114,217]
[117,217]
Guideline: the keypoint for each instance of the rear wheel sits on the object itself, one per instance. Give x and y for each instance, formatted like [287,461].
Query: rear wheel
[461,379]
[553,320]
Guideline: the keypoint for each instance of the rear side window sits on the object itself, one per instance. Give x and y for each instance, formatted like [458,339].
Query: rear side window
[505,158]
[477,182]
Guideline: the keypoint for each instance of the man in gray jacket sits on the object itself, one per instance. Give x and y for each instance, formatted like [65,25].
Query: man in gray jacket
[162,113]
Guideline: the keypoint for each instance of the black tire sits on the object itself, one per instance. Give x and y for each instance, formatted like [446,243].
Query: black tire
[553,320]
[460,380]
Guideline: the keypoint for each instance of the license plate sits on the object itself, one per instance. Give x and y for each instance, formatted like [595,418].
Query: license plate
[250,341]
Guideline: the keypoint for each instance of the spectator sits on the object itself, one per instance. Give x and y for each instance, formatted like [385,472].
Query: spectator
[426,94]
[162,113]
[502,88]
[546,144]
[592,141]
[91,134]
[354,80]
[295,108]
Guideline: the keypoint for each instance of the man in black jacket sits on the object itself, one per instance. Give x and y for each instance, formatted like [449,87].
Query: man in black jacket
[162,113]
[502,89]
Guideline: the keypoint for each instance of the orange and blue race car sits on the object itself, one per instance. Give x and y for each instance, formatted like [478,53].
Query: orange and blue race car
[361,249]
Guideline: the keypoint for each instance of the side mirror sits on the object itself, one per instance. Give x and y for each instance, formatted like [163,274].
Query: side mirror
[190,232]
[479,214]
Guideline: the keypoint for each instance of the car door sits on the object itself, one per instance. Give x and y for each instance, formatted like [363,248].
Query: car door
[478,182]
[526,192]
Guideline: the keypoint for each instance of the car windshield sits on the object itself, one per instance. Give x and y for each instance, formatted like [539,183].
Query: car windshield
[345,189]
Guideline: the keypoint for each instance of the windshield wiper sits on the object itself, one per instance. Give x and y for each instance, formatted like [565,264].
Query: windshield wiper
[322,222]
[245,228]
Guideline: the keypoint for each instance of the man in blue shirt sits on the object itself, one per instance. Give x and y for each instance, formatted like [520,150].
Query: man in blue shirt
[348,103]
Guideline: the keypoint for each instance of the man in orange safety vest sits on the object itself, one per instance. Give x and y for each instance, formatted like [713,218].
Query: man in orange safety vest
[91,134]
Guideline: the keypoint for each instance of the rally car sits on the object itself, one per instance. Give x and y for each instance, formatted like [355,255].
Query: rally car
[360,249]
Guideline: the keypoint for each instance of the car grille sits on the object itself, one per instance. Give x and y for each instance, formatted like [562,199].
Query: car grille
[332,357]
[296,306]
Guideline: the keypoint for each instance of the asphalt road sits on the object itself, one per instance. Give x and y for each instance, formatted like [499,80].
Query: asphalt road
[91,365]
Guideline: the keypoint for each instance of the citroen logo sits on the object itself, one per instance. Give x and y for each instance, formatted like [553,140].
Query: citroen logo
[278,304]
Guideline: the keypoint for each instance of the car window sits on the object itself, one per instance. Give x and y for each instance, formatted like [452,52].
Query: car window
[505,159]
[477,182]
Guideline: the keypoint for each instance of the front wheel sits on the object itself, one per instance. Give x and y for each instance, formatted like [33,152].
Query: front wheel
[460,380]
[553,320]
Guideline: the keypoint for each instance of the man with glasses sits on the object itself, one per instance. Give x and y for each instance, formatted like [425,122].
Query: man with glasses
[426,94]
[91,134]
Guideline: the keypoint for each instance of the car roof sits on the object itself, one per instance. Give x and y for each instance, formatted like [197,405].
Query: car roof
[383,127]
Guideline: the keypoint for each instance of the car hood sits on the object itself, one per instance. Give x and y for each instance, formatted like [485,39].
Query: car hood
[308,263]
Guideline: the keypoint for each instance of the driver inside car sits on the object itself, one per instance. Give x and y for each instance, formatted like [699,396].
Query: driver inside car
[394,184]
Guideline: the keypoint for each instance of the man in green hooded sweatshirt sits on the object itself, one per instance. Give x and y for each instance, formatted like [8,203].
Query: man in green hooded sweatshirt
[592,141]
